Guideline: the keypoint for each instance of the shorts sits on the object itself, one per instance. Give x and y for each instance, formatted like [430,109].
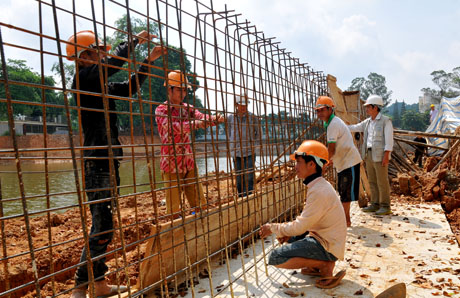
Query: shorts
[308,248]
[348,184]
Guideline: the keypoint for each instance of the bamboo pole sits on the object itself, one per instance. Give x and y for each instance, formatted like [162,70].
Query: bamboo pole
[425,134]
[413,143]
[412,164]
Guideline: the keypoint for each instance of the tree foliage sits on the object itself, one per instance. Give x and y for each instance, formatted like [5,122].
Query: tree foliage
[447,82]
[413,120]
[374,84]
[19,72]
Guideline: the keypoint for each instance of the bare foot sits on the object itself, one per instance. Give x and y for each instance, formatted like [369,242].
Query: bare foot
[326,269]
[310,271]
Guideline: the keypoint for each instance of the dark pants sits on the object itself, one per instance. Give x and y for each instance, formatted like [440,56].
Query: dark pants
[244,167]
[97,176]
[418,157]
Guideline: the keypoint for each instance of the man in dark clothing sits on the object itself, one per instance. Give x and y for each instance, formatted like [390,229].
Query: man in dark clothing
[419,151]
[97,162]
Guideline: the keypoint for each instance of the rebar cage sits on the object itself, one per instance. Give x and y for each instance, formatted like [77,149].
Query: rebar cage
[45,216]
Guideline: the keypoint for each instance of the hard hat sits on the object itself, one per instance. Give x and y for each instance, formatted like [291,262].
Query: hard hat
[177,79]
[242,100]
[374,100]
[324,101]
[84,40]
[312,148]
[432,106]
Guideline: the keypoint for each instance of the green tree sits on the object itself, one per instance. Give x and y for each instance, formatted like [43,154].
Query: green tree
[18,73]
[403,108]
[448,83]
[374,84]
[413,120]
[396,115]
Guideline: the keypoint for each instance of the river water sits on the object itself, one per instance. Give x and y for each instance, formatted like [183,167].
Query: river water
[62,188]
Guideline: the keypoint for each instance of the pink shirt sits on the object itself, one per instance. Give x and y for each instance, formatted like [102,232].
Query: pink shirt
[181,128]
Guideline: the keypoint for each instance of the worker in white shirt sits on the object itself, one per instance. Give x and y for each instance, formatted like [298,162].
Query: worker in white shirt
[343,153]
[322,218]
[376,152]
[433,113]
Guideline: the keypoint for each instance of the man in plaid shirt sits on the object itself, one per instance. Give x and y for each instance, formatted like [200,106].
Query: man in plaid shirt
[176,120]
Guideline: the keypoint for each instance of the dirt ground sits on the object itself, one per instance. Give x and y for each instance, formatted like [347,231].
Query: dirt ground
[137,216]
[66,235]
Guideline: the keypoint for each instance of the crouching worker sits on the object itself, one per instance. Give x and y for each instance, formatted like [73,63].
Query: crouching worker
[322,218]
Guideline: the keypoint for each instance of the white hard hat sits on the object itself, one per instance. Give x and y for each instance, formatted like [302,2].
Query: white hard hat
[242,100]
[374,100]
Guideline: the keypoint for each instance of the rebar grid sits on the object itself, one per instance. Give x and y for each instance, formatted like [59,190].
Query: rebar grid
[42,151]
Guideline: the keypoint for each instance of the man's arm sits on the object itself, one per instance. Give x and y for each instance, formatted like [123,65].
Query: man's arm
[358,127]
[123,88]
[331,150]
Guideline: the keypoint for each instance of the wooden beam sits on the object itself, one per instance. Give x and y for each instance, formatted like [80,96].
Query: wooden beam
[425,134]
[418,143]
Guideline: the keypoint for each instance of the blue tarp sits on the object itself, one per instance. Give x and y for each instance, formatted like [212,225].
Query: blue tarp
[447,120]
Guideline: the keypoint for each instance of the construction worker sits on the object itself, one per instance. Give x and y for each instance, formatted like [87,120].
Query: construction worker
[176,120]
[376,153]
[89,52]
[343,153]
[433,113]
[420,150]
[242,132]
[322,216]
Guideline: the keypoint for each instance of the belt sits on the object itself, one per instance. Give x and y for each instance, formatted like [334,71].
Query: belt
[369,149]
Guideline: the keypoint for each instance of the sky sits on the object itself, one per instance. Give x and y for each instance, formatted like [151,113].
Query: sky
[402,40]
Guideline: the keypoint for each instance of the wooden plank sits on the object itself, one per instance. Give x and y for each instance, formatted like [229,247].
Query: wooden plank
[425,134]
[184,242]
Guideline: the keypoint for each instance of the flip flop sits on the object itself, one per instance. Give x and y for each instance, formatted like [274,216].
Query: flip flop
[114,290]
[310,271]
[396,291]
[335,280]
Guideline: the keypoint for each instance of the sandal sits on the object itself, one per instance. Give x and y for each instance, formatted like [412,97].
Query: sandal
[310,271]
[335,280]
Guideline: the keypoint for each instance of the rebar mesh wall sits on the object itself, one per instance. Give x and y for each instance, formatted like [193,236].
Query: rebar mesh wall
[44,211]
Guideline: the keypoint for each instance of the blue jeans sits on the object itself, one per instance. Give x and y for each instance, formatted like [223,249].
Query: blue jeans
[307,247]
[244,167]
[97,176]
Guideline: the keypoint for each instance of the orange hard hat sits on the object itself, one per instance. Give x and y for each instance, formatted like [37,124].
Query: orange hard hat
[324,101]
[84,40]
[177,79]
[312,148]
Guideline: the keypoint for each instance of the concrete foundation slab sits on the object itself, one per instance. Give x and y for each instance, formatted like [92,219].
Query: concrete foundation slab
[414,246]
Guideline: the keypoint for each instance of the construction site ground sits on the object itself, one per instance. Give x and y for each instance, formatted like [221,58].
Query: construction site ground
[415,246]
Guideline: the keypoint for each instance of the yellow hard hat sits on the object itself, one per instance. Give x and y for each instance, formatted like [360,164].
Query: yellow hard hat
[312,148]
[84,40]
[432,105]
[177,79]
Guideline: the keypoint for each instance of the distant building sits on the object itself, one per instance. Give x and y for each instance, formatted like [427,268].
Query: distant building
[425,101]
[34,125]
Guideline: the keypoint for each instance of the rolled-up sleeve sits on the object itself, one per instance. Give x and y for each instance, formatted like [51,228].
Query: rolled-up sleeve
[388,131]
[357,127]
